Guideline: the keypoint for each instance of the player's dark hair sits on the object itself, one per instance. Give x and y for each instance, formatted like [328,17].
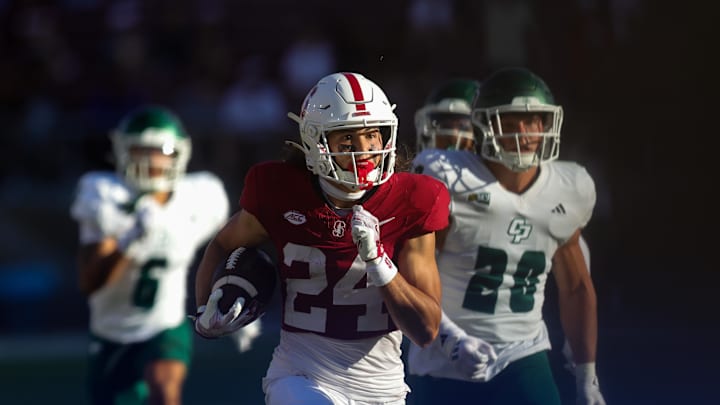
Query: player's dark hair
[403,158]
[292,155]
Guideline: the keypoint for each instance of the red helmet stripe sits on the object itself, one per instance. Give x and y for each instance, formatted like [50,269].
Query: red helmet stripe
[356,89]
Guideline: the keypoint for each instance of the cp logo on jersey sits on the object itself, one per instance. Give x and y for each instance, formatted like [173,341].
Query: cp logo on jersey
[519,229]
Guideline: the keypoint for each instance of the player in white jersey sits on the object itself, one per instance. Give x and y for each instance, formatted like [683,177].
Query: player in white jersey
[139,231]
[347,298]
[516,211]
[444,121]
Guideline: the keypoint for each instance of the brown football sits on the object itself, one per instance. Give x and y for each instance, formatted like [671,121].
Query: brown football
[247,273]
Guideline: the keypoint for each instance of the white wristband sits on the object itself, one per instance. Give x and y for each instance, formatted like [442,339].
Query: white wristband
[585,373]
[450,328]
[381,271]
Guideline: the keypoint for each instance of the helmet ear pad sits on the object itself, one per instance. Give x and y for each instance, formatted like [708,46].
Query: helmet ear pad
[325,167]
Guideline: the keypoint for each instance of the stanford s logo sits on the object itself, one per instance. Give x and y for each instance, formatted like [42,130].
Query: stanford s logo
[519,229]
[339,229]
[295,217]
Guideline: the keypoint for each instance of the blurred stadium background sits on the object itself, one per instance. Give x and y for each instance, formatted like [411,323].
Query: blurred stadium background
[637,79]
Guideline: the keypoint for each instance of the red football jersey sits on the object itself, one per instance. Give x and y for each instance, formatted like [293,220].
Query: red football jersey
[322,278]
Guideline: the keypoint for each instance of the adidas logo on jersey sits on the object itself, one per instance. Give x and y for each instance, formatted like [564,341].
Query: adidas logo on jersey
[559,210]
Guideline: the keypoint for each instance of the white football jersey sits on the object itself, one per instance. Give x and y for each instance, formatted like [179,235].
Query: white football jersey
[149,297]
[500,245]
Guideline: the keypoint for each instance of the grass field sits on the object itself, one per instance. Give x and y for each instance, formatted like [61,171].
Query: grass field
[220,374]
[653,367]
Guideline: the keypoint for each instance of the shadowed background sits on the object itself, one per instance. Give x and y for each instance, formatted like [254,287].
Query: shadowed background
[637,80]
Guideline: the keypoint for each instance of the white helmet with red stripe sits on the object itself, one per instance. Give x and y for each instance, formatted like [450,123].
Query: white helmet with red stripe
[342,101]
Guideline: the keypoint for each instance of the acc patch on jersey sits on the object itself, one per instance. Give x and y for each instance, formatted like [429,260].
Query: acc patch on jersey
[249,273]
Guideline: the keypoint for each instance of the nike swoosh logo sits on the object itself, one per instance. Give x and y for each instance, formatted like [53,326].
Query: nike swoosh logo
[381,223]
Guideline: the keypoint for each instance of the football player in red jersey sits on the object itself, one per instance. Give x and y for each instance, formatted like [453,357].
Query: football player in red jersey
[356,246]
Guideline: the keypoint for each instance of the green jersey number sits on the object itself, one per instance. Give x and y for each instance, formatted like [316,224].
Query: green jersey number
[482,290]
[146,287]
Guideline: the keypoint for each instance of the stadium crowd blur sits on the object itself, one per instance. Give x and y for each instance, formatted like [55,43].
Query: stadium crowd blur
[69,69]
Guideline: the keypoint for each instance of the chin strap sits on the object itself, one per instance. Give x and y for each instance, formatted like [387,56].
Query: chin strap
[329,189]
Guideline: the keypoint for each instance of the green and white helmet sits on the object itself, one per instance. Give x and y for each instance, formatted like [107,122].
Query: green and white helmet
[150,127]
[446,113]
[516,90]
